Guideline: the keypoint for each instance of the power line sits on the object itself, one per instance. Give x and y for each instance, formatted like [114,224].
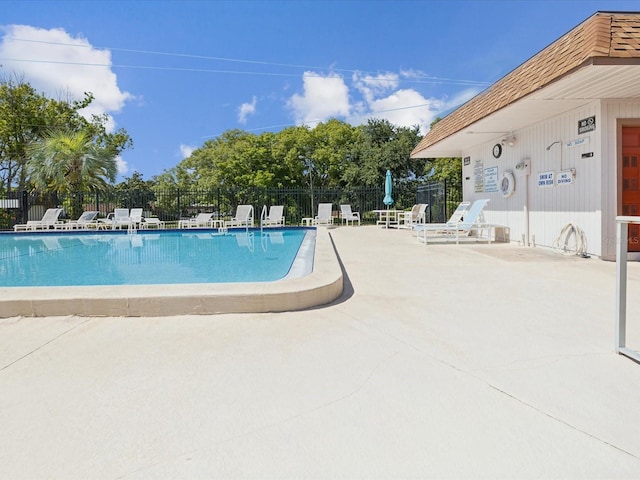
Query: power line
[415,78]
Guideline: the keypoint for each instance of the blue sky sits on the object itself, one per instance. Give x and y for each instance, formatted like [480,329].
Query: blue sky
[176,73]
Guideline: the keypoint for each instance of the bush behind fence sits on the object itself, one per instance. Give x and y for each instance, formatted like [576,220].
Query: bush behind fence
[175,204]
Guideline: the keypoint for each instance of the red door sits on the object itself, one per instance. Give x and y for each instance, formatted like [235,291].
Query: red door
[631,181]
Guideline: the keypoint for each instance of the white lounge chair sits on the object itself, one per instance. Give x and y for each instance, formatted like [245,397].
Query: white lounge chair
[417,216]
[48,220]
[202,220]
[84,221]
[325,215]
[243,217]
[348,215]
[454,219]
[462,222]
[275,217]
[152,222]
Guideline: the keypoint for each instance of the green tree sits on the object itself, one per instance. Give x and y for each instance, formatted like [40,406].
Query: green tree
[444,169]
[26,116]
[21,122]
[70,162]
[136,191]
[382,146]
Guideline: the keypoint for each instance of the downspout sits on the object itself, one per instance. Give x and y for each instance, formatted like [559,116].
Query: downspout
[524,170]
[526,211]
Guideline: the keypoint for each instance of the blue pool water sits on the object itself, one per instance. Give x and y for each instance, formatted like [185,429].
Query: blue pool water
[165,257]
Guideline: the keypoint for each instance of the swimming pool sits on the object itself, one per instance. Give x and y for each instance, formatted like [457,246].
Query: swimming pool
[148,258]
[321,286]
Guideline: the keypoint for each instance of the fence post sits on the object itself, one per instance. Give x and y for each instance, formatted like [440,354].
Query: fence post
[178,204]
[446,201]
[25,206]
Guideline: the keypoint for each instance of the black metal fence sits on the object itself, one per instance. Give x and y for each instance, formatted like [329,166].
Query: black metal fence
[175,204]
[442,199]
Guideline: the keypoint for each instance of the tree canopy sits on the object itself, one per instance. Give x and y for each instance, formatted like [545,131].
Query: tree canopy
[27,117]
[331,155]
[70,162]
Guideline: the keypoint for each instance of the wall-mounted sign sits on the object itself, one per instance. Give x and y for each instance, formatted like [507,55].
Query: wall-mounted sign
[577,141]
[587,155]
[467,161]
[586,125]
[545,179]
[491,180]
[478,183]
[565,178]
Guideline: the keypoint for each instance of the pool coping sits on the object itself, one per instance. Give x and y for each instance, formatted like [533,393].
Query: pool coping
[323,285]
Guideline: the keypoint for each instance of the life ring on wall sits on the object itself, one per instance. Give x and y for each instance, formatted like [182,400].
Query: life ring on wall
[507,184]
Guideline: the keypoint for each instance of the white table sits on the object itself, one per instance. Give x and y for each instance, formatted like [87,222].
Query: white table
[388,218]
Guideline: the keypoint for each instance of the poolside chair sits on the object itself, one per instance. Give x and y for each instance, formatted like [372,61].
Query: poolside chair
[243,217]
[349,216]
[462,223]
[325,215]
[136,217]
[202,220]
[152,222]
[454,219]
[121,219]
[275,217]
[48,220]
[84,221]
[417,216]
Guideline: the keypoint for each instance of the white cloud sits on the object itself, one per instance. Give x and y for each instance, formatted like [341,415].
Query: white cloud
[404,108]
[186,151]
[123,167]
[62,66]
[247,109]
[324,97]
[371,86]
[372,96]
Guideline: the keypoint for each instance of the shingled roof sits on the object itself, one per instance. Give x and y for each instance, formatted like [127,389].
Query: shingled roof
[612,36]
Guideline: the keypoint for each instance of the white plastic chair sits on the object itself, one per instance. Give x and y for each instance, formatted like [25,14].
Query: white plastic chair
[416,216]
[243,217]
[348,215]
[463,221]
[275,217]
[202,220]
[48,220]
[325,215]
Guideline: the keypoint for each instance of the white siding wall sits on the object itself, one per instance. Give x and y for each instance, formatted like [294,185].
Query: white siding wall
[551,208]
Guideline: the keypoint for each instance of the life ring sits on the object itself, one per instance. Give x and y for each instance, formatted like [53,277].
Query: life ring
[507,184]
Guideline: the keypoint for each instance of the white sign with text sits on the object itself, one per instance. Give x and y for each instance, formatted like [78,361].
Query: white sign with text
[565,178]
[545,179]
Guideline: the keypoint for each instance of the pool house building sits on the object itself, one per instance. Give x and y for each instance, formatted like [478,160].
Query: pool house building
[556,142]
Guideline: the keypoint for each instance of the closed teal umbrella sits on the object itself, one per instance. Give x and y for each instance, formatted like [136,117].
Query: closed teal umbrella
[387,190]
[388,200]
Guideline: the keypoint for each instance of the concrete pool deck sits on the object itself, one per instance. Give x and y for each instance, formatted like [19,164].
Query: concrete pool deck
[437,361]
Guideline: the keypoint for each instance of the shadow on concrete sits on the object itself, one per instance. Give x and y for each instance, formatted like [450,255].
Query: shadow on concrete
[347,286]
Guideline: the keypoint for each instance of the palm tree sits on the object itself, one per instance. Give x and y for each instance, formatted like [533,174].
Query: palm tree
[71,162]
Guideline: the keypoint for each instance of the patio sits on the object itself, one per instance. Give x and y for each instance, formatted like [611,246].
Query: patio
[438,361]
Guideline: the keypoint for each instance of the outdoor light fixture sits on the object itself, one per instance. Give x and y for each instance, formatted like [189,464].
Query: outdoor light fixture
[509,141]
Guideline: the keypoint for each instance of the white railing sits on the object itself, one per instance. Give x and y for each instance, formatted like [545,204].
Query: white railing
[622,226]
